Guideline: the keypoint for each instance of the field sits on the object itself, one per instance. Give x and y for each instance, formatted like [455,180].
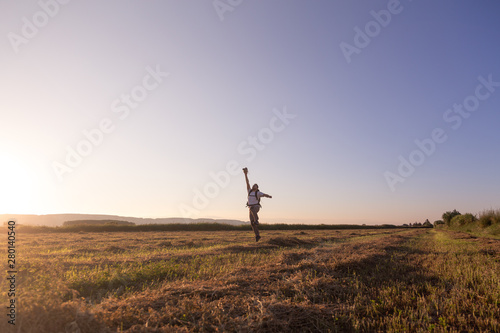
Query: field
[394,280]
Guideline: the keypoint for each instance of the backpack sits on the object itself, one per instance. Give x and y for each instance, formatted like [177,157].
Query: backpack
[256,197]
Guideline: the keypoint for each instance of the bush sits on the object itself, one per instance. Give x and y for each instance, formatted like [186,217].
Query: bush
[460,220]
[489,217]
[448,216]
[427,224]
[438,223]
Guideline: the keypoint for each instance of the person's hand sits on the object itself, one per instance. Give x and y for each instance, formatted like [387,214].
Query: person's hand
[245,171]
[270,196]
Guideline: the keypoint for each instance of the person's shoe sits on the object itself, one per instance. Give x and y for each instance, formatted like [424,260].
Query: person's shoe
[257,238]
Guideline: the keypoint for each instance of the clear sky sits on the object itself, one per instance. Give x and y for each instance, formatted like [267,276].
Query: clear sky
[343,111]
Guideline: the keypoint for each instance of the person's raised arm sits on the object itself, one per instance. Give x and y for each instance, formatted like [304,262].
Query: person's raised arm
[245,171]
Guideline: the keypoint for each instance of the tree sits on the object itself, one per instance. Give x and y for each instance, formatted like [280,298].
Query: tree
[438,222]
[449,215]
[427,224]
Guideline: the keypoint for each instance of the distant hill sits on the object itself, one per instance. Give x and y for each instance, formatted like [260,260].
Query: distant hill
[96,222]
[53,220]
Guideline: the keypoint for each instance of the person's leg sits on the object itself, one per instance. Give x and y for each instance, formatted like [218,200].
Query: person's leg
[254,221]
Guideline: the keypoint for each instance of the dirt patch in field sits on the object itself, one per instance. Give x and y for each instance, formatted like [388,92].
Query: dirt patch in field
[164,244]
[113,249]
[250,248]
[188,244]
[326,239]
[82,251]
[488,246]
[213,306]
[460,235]
[289,241]
[291,258]
[490,252]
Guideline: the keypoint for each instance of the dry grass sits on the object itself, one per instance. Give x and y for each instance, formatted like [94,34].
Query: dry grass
[291,281]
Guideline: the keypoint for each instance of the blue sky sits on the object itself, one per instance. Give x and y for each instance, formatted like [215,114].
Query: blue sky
[183,89]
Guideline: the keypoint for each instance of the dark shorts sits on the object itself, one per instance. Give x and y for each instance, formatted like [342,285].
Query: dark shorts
[254,216]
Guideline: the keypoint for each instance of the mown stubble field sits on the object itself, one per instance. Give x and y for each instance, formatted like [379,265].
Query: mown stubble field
[394,280]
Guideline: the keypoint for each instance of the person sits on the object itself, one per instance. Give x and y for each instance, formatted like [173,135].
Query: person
[253,204]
